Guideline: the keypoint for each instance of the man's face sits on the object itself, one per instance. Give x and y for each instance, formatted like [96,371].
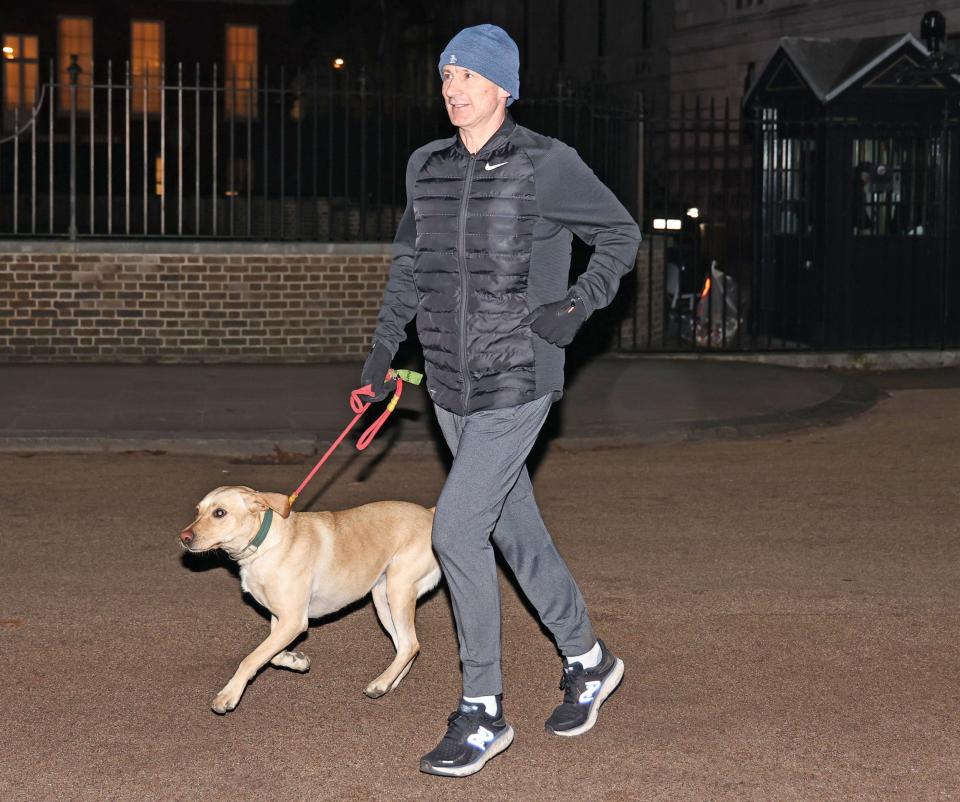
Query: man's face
[472,100]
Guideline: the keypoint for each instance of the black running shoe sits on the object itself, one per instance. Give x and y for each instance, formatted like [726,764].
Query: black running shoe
[473,737]
[584,690]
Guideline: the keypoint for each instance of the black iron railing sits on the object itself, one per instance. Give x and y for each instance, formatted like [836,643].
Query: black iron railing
[286,158]
[763,233]
[292,154]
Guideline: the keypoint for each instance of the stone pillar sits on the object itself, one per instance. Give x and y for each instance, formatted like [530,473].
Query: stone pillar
[644,328]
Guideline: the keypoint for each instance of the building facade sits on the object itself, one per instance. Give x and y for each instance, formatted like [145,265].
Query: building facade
[717,45]
[610,49]
[97,42]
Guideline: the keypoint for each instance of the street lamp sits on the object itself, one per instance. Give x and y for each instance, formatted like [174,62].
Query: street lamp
[933,30]
[939,63]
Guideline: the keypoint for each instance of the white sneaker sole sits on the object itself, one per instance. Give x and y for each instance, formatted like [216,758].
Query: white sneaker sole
[496,747]
[609,686]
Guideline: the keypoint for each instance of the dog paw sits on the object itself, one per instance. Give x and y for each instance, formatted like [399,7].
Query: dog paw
[375,691]
[295,661]
[225,701]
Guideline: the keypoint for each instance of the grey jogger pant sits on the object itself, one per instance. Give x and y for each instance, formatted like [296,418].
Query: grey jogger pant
[488,493]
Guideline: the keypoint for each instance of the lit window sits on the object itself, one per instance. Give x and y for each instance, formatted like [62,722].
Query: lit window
[76,39]
[894,186]
[240,81]
[20,77]
[146,62]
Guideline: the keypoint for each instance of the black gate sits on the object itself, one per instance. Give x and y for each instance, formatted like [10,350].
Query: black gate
[821,214]
[763,234]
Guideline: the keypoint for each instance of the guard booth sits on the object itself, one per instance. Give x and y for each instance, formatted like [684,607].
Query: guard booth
[857,195]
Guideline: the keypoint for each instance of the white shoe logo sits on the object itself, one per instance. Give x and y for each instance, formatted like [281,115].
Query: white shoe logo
[489,166]
[481,738]
[587,696]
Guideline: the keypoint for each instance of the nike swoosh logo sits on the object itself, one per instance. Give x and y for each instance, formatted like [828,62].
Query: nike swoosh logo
[489,166]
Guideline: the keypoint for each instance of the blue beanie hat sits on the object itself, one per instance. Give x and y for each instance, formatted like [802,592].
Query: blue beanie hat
[488,50]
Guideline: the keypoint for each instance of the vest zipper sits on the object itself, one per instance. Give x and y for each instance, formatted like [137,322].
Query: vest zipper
[464,279]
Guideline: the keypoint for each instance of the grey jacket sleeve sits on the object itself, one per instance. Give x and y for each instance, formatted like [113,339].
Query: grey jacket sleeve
[400,299]
[570,195]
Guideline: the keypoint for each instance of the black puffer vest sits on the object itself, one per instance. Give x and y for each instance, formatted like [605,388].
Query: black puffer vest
[474,218]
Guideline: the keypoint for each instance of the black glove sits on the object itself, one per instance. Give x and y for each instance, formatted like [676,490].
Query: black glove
[375,371]
[558,322]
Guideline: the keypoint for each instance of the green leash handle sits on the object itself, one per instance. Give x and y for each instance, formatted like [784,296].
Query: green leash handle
[409,376]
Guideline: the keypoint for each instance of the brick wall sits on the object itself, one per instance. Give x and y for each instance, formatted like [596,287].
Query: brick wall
[188,302]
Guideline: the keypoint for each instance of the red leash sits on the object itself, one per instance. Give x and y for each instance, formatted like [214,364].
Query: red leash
[359,407]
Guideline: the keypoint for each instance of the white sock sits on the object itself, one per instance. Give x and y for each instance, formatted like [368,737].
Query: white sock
[588,659]
[489,702]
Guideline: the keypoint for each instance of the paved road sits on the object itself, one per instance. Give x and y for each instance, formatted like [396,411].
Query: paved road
[785,605]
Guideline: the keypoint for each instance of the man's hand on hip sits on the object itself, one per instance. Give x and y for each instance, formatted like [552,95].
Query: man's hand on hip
[375,371]
[558,323]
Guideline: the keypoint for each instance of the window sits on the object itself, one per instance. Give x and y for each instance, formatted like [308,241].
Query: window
[76,39]
[789,163]
[240,81]
[146,64]
[893,185]
[20,77]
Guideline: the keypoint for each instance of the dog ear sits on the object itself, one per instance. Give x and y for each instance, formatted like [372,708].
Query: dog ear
[277,502]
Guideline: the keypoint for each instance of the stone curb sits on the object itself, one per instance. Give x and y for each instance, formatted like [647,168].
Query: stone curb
[855,396]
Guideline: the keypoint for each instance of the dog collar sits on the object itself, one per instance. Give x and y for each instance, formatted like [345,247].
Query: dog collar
[258,538]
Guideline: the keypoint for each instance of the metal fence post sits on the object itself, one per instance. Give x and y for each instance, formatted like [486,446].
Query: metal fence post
[363,152]
[641,165]
[74,70]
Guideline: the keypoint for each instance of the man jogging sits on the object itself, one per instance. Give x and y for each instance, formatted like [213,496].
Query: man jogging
[482,261]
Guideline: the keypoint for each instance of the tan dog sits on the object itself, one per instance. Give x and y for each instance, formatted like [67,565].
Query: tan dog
[310,564]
